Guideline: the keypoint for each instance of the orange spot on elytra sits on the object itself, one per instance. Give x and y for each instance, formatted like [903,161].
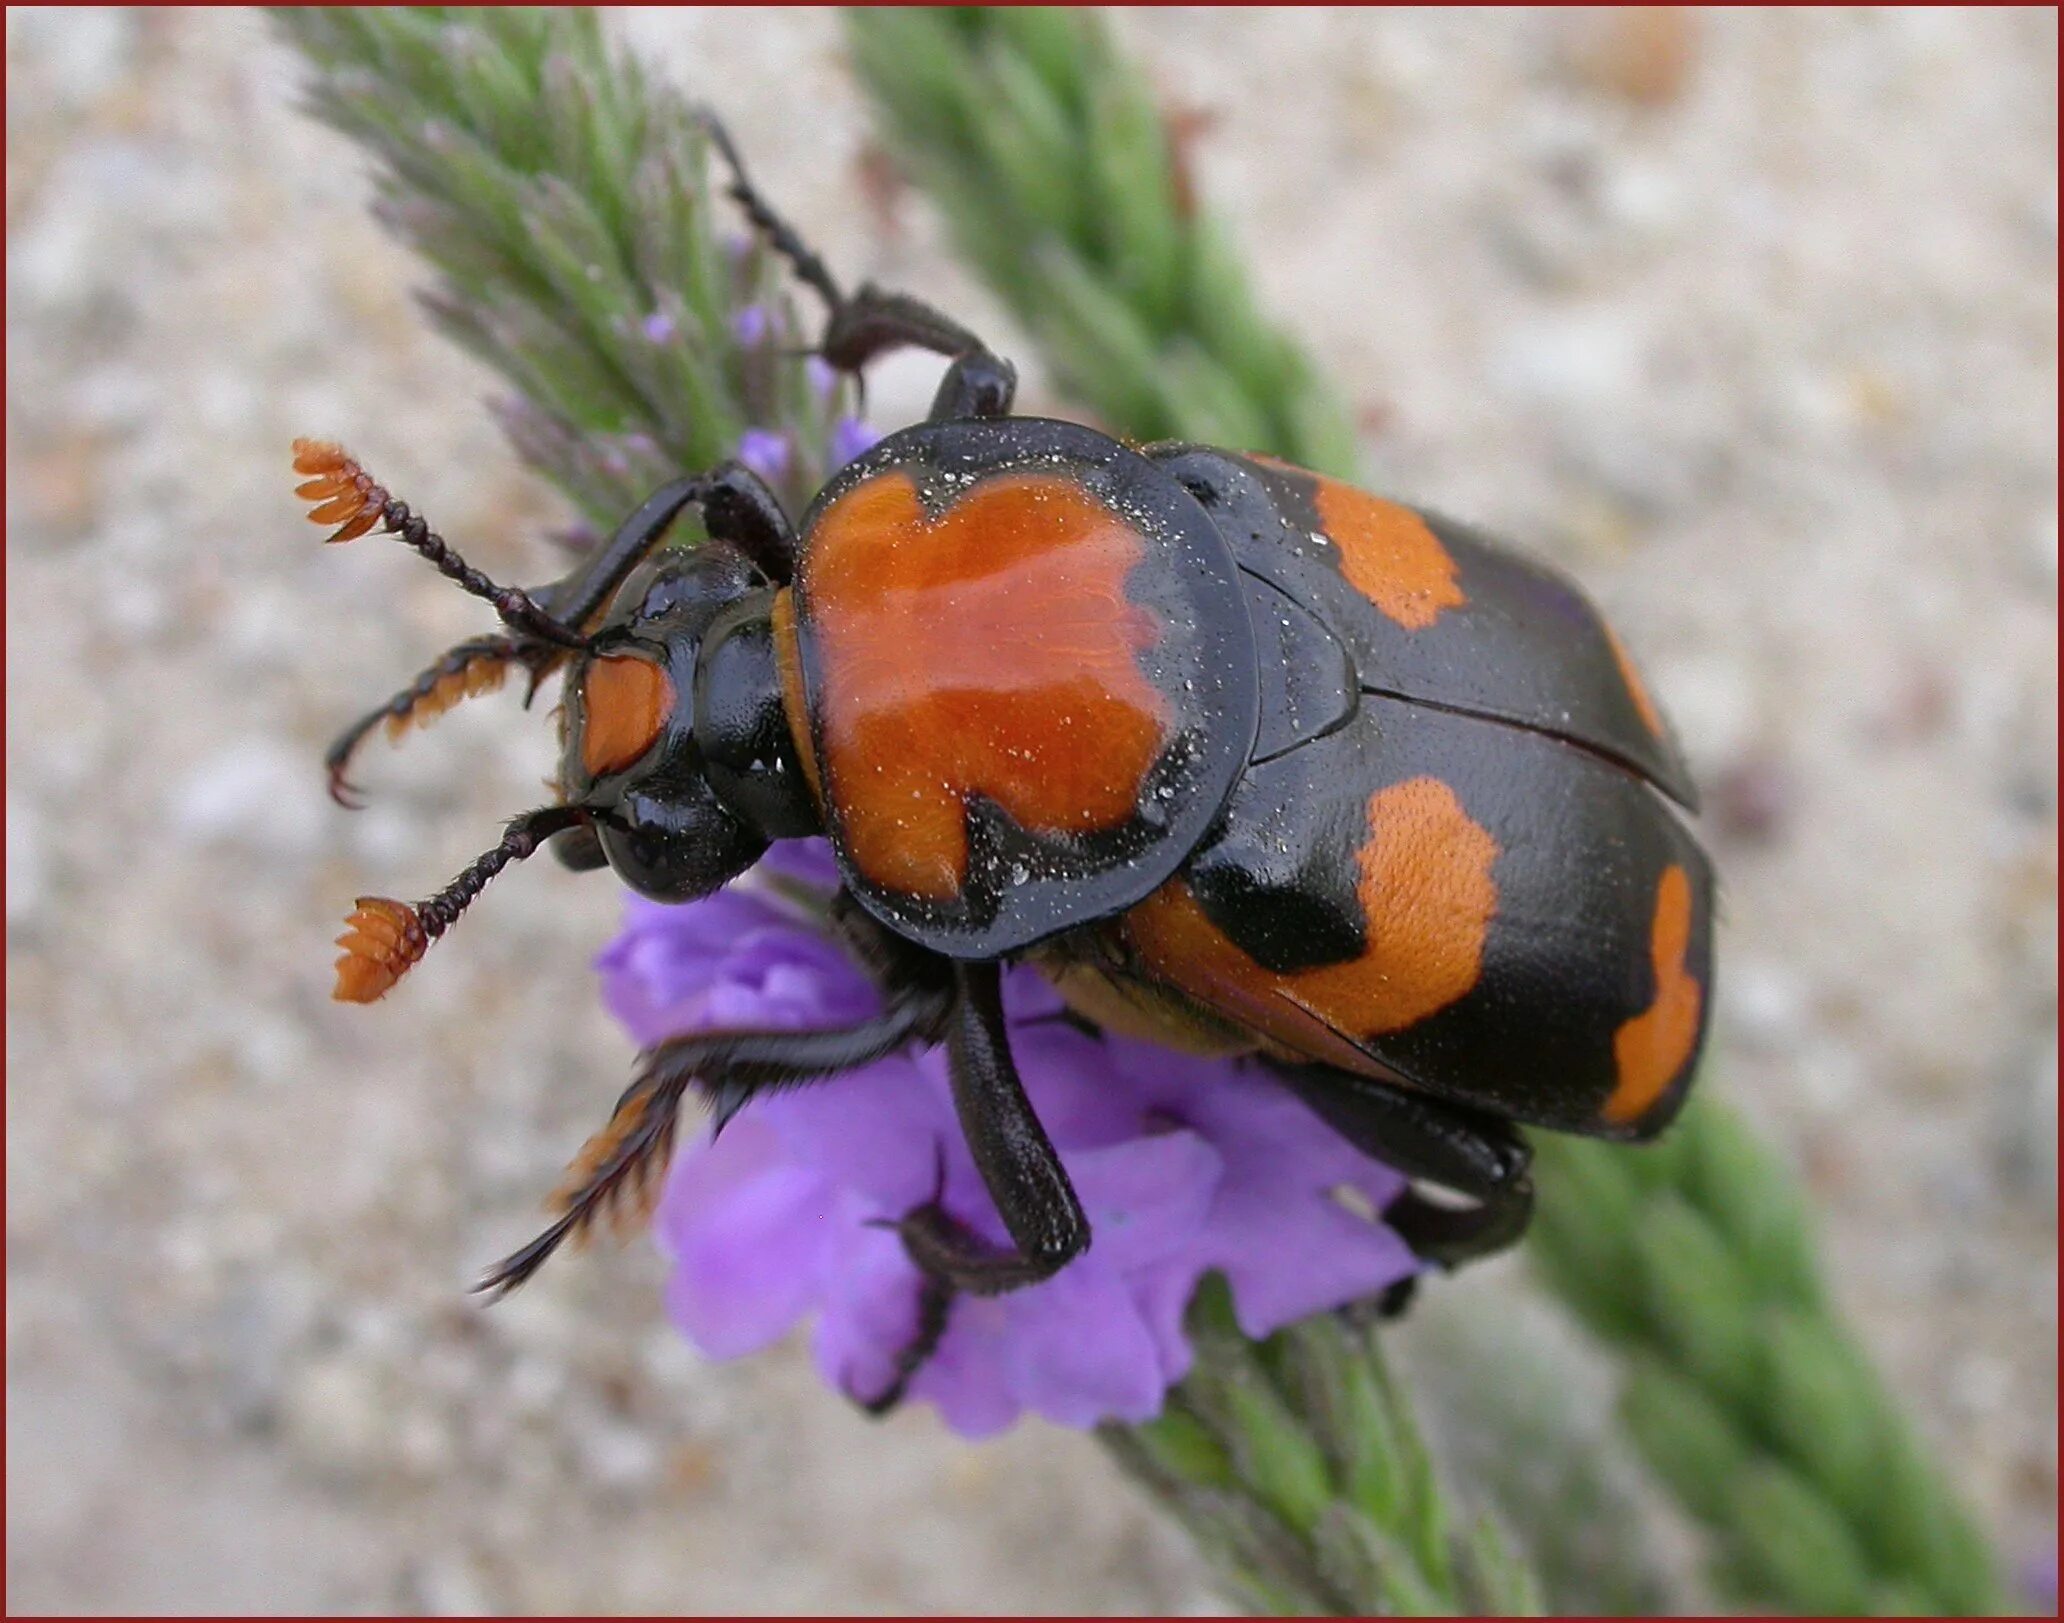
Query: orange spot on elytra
[625,701]
[1651,718]
[1427,900]
[1389,554]
[1650,1049]
[989,650]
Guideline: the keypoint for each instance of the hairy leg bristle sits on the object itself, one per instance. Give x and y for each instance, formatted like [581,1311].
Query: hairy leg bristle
[483,673]
[614,1181]
[472,668]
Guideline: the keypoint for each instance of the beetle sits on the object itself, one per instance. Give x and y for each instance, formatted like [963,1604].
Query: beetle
[1242,757]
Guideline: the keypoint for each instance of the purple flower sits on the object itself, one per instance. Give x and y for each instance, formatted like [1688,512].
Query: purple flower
[751,326]
[822,376]
[1184,1166]
[766,452]
[849,438]
[659,327]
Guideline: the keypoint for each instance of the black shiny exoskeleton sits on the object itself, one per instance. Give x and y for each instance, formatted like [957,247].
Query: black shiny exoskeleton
[1240,756]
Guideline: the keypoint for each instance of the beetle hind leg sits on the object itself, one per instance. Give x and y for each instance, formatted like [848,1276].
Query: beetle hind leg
[1429,1139]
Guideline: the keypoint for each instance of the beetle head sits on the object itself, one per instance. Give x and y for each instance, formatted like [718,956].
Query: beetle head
[632,760]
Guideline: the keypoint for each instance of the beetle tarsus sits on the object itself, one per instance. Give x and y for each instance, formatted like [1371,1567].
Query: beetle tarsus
[874,320]
[934,1311]
[782,237]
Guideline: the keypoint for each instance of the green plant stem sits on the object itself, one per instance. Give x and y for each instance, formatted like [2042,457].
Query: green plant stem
[1743,1390]
[1297,1467]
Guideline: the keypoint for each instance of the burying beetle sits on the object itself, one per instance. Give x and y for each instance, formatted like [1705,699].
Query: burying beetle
[1242,757]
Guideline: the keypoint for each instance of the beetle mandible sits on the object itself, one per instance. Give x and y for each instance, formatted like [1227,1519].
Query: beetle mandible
[1243,757]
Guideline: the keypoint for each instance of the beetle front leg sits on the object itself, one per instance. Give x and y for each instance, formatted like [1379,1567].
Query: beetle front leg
[1012,1152]
[1423,1137]
[872,321]
[618,1168]
[472,667]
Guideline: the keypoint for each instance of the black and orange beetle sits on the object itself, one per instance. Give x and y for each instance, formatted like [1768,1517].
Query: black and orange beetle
[1241,756]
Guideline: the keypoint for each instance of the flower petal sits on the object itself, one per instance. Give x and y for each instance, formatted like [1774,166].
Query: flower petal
[1183,1164]
[869,1313]
[1082,1353]
[1288,1260]
[1146,1198]
[967,1380]
[879,1131]
[748,1265]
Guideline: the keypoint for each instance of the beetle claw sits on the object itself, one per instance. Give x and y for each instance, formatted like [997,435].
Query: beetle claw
[344,792]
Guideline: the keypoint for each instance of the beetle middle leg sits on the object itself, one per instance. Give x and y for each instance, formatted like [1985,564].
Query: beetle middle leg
[1423,1137]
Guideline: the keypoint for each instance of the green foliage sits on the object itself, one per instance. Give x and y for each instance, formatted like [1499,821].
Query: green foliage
[1296,1466]
[564,200]
[1745,1391]
[1065,187]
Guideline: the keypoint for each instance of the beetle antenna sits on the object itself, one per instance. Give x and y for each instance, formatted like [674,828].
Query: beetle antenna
[383,939]
[346,495]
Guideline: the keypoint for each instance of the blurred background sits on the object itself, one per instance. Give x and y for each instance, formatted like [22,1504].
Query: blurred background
[1747,318]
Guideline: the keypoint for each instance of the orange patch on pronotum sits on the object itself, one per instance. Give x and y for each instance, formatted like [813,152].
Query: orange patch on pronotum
[990,649]
[625,701]
[1651,1049]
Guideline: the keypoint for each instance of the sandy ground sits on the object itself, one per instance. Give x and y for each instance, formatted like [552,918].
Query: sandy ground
[1760,340]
